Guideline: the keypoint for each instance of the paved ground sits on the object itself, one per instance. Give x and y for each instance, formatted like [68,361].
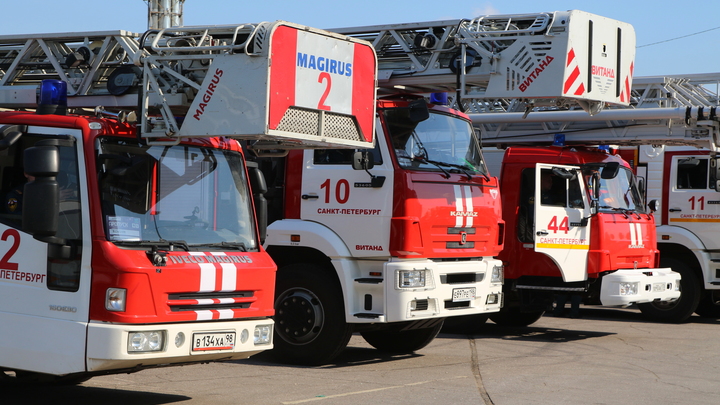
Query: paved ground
[607,357]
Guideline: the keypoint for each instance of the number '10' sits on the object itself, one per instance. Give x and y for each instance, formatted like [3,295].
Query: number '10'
[342,191]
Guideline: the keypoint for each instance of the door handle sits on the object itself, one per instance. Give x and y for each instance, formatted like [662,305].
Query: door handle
[541,233]
[308,197]
[674,210]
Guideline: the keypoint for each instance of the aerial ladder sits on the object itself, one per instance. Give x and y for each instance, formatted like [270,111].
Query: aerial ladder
[518,61]
[663,110]
[194,75]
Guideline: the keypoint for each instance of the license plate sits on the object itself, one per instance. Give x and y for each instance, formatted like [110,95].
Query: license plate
[213,341]
[658,287]
[463,294]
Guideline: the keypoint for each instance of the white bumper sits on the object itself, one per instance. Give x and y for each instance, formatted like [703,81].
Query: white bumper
[107,347]
[448,289]
[636,286]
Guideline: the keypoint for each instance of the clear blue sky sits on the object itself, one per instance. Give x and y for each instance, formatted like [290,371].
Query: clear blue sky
[680,23]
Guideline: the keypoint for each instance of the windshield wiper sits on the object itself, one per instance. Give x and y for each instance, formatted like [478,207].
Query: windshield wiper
[225,245]
[432,162]
[624,211]
[464,168]
[170,244]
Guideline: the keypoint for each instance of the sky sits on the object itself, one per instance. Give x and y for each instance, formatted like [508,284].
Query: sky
[673,37]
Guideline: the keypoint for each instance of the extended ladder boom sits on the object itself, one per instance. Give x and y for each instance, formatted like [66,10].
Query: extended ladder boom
[314,89]
[548,59]
[664,110]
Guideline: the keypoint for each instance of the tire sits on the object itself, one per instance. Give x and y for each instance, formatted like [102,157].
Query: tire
[709,305]
[403,341]
[310,327]
[465,324]
[680,310]
[514,317]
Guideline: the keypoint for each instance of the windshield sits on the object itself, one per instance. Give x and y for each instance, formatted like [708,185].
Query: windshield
[441,140]
[189,194]
[621,192]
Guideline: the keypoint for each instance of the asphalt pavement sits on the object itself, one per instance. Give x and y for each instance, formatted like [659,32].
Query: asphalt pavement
[610,356]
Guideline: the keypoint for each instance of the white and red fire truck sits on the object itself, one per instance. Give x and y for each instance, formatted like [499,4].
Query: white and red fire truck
[679,169]
[622,232]
[135,246]
[392,249]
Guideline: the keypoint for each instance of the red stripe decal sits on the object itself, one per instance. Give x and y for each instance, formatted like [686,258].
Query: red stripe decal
[569,82]
[570,57]
[282,73]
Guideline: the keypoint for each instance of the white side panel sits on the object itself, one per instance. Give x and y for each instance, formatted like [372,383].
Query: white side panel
[43,330]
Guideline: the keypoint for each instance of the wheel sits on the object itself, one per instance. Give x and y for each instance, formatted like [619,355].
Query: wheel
[681,309]
[465,323]
[401,341]
[709,305]
[514,317]
[310,325]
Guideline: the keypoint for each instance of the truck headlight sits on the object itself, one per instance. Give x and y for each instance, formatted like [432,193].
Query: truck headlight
[263,335]
[497,274]
[146,341]
[115,299]
[628,288]
[411,278]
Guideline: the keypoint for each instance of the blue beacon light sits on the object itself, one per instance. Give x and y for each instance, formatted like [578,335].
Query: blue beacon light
[53,97]
[439,98]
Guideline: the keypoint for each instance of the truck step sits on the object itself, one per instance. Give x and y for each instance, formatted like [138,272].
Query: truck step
[369,280]
[549,288]
[367,315]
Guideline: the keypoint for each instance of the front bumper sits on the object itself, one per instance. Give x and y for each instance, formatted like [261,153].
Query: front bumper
[107,345]
[636,286]
[445,292]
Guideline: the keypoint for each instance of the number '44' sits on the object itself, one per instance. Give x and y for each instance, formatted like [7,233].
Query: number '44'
[553,225]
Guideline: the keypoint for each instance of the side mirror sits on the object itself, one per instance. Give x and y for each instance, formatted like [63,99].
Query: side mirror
[362,160]
[564,173]
[41,195]
[641,188]
[610,171]
[715,173]
[419,111]
[595,198]
[259,188]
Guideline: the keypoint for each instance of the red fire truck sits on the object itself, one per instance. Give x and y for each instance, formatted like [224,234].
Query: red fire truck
[390,242]
[577,226]
[670,138]
[126,246]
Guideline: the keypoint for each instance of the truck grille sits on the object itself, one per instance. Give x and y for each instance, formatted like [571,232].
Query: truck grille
[210,301]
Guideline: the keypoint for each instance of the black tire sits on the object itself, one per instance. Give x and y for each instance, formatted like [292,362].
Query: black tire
[310,327]
[680,310]
[514,317]
[465,324]
[709,305]
[404,341]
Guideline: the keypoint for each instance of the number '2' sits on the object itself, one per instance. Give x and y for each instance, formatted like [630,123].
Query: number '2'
[326,93]
[5,261]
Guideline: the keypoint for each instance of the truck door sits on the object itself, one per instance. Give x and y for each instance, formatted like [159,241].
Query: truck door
[44,293]
[692,203]
[560,206]
[344,200]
